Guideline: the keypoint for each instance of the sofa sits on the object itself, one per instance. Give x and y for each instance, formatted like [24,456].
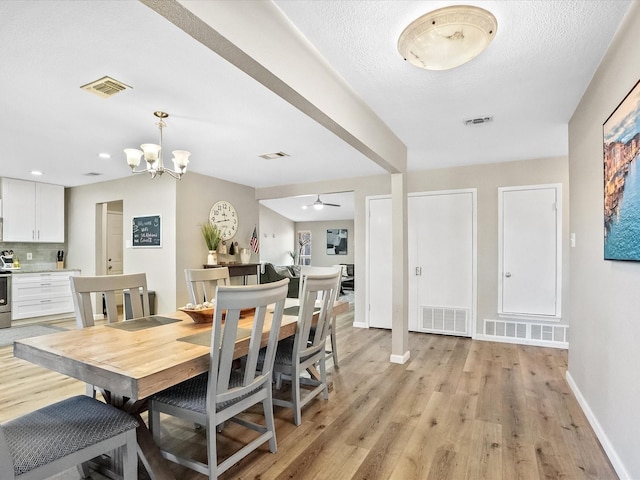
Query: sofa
[348,276]
[272,273]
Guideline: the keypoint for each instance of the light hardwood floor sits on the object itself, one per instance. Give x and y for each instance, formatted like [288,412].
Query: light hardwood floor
[459,409]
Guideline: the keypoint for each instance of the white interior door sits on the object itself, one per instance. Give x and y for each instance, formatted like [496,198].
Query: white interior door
[530,250]
[379,263]
[114,246]
[442,262]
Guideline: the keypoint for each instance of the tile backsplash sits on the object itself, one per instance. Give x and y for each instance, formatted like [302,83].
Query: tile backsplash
[43,254]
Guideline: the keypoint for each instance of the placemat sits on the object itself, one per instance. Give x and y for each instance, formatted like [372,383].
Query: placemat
[204,338]
[295,310]
[142,323]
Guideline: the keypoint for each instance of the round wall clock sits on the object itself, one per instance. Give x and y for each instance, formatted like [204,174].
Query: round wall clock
[224,216]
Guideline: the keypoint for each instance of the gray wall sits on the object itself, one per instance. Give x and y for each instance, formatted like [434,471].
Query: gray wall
[319,256]
[604,354]
[196,194]
[486,179]
[184,205]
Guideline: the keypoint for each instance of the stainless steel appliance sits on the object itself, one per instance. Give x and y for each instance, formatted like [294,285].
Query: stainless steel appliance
[5,300]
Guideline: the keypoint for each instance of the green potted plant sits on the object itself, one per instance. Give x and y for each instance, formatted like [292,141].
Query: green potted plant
[211,236]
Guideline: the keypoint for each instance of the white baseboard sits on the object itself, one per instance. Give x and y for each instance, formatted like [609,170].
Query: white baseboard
[521,341]
[401,359]
[360,325]
[618,466]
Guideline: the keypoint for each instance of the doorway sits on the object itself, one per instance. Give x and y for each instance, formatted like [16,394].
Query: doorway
[530,232]
[109,240]
[442,256]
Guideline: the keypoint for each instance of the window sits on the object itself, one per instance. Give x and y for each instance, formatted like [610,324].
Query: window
[304,247]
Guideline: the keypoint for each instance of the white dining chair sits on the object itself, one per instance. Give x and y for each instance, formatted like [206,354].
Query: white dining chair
[228,389]
[202,282]
[307,348]
[57,437]
[82,288]
[306,270]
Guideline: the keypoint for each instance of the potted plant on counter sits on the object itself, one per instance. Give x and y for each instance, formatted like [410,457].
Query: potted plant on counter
[211,236]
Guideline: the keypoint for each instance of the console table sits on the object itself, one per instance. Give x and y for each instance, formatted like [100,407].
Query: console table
[240,270]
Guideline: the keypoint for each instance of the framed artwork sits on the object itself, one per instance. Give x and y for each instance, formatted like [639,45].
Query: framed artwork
[146,231]
[621,133]
[337,241]
[304,248]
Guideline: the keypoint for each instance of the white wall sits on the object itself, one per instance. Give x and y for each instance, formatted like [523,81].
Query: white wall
[140,196]
[604,354]
[277,237]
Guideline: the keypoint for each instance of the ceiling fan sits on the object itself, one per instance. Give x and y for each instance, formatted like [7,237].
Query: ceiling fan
[319,204]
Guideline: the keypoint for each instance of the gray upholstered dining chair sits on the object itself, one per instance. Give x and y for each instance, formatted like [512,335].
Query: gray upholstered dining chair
[307,348]
[54,438]
[331,334]
[227,390]
[202,282]
[108,285]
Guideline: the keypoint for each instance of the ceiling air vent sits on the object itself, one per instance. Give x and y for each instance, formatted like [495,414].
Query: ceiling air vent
[478,121]
[105,87]
[272,156]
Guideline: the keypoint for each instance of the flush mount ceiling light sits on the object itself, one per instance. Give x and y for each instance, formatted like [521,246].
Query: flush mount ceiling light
[153,156]
[448,37]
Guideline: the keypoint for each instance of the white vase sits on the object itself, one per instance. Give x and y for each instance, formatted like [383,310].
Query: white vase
[245,255]
[212,257]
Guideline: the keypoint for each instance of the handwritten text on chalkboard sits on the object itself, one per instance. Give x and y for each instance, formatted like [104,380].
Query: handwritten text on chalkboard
[147,231]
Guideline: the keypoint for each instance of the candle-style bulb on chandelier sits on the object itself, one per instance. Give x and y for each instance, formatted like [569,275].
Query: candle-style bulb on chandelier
[153,155]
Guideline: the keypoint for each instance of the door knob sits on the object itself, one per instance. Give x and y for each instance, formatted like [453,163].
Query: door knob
[110,267]
[508,274]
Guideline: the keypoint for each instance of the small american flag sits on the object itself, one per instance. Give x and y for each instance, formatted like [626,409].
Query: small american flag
[255,246]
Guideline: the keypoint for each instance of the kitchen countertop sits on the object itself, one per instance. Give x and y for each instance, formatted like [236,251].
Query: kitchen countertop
[42,269]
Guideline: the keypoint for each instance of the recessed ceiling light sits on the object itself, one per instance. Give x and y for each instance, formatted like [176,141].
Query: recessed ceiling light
[104,155]
[448,37]
[272,156]
[478,121]
[36,172]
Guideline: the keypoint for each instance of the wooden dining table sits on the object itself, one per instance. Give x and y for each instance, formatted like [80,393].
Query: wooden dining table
[132,360]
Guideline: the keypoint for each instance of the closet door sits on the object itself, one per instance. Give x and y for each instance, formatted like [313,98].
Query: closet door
[530,250]
[442,262]
[379,263]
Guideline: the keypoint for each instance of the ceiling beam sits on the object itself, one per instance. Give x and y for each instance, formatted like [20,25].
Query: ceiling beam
[258,39]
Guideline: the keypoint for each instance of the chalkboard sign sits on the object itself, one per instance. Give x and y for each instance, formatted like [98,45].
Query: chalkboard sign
[147,231]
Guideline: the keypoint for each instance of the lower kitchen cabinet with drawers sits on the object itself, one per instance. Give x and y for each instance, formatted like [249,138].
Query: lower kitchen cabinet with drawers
[41,294]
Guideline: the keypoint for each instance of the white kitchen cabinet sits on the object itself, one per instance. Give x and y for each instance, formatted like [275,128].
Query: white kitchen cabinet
[41,294]
[32,212]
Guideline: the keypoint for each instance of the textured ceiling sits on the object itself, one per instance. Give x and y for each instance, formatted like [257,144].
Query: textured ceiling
[530,80]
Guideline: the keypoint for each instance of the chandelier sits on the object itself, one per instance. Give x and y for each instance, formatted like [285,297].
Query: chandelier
[153,155]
